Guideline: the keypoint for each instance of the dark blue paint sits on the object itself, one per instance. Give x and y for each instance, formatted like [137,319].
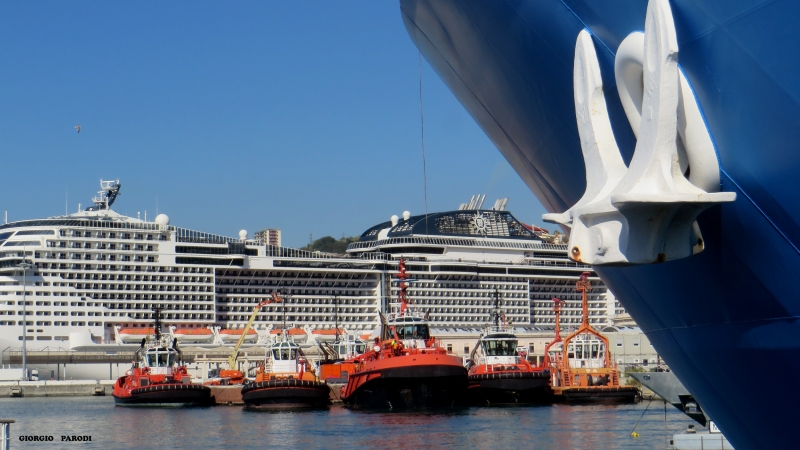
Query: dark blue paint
[726,317]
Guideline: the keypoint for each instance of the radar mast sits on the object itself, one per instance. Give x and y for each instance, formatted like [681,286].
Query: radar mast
[109,189]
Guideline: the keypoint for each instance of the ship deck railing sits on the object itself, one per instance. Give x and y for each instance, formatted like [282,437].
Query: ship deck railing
[466,242]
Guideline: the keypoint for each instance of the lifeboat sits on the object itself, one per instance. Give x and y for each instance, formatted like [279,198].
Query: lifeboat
[159,377]
[298,335]
[133,335]
[285,380]
[328,335]
[232,336]
[194,335]
[499,373]
[406,368]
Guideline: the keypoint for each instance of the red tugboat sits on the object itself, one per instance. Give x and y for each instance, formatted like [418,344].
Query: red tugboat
[407,367]
[158,377]
[582,367]
[498,373]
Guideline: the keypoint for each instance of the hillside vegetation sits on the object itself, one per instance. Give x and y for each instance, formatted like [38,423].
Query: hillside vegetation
[329,244]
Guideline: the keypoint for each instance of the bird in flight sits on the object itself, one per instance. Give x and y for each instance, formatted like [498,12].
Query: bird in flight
[78,127]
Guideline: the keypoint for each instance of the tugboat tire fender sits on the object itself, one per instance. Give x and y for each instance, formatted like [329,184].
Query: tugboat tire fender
[509,376]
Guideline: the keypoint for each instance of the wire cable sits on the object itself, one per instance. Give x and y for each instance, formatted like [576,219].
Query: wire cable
[634,434]
[422,130]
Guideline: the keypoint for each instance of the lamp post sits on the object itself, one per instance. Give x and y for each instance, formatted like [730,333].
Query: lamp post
[24,265]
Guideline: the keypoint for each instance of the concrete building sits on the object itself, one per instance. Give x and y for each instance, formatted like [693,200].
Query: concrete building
[269,236]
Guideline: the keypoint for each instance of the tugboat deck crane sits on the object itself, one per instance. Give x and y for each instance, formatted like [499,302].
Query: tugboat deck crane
[276,298]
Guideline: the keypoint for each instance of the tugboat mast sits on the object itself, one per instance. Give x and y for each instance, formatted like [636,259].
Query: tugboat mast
[336,316]
[497,312]
[157,320]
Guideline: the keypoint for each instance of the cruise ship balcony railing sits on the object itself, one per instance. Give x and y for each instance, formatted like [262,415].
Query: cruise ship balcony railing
[455,242]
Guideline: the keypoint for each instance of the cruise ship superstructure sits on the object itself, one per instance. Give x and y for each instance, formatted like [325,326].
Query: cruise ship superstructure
[96,273]
[460,259]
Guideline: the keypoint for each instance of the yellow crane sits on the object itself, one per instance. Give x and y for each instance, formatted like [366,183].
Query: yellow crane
[236,376]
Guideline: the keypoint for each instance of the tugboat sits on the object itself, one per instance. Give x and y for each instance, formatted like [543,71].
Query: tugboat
[407,367]
[498,372]
[285,380]
[581,366]
[232,375]
[337,363]
[158,376]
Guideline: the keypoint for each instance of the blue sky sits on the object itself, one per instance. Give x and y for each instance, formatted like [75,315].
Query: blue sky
[298,115]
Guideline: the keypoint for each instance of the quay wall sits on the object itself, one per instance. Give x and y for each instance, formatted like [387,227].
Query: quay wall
[53,388]
[232,395]
[223,395]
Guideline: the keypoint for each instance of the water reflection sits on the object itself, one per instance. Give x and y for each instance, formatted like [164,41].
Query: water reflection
[562,426]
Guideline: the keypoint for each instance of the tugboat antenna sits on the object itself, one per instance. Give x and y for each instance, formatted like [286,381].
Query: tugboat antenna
[336,316]
[283,303]
[157,317]
[497,313]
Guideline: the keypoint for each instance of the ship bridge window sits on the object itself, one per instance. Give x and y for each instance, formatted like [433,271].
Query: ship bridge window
[161,358]
[284,352]
[412,331]
[500,347]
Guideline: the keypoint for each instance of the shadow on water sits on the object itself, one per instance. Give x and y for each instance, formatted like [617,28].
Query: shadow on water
[284,410]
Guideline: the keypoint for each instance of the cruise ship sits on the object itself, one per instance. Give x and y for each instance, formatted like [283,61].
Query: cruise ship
[96,277]
[593,103]
[459,259]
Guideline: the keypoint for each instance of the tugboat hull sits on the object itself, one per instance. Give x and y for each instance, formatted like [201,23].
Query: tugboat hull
[286,394]
[402,387]
[611,394]
[510,388]
[174,395]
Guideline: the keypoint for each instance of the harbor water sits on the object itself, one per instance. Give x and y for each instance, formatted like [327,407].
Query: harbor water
[545,427]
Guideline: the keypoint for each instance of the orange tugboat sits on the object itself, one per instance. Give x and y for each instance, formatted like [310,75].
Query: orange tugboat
[338,362]
[338,348]
[406,367]
[158,377]
[232,375]
[498,374]
[285,380]
[581,366]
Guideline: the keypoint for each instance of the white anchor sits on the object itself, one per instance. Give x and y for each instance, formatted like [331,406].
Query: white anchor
[644,213]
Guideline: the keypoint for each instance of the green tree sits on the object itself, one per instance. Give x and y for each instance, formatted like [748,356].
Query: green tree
[329,244]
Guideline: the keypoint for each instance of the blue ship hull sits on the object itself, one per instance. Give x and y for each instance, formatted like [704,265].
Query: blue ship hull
[725,320]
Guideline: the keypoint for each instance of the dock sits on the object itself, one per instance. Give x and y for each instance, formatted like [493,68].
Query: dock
[222,395]
[232,395]
[56,388]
